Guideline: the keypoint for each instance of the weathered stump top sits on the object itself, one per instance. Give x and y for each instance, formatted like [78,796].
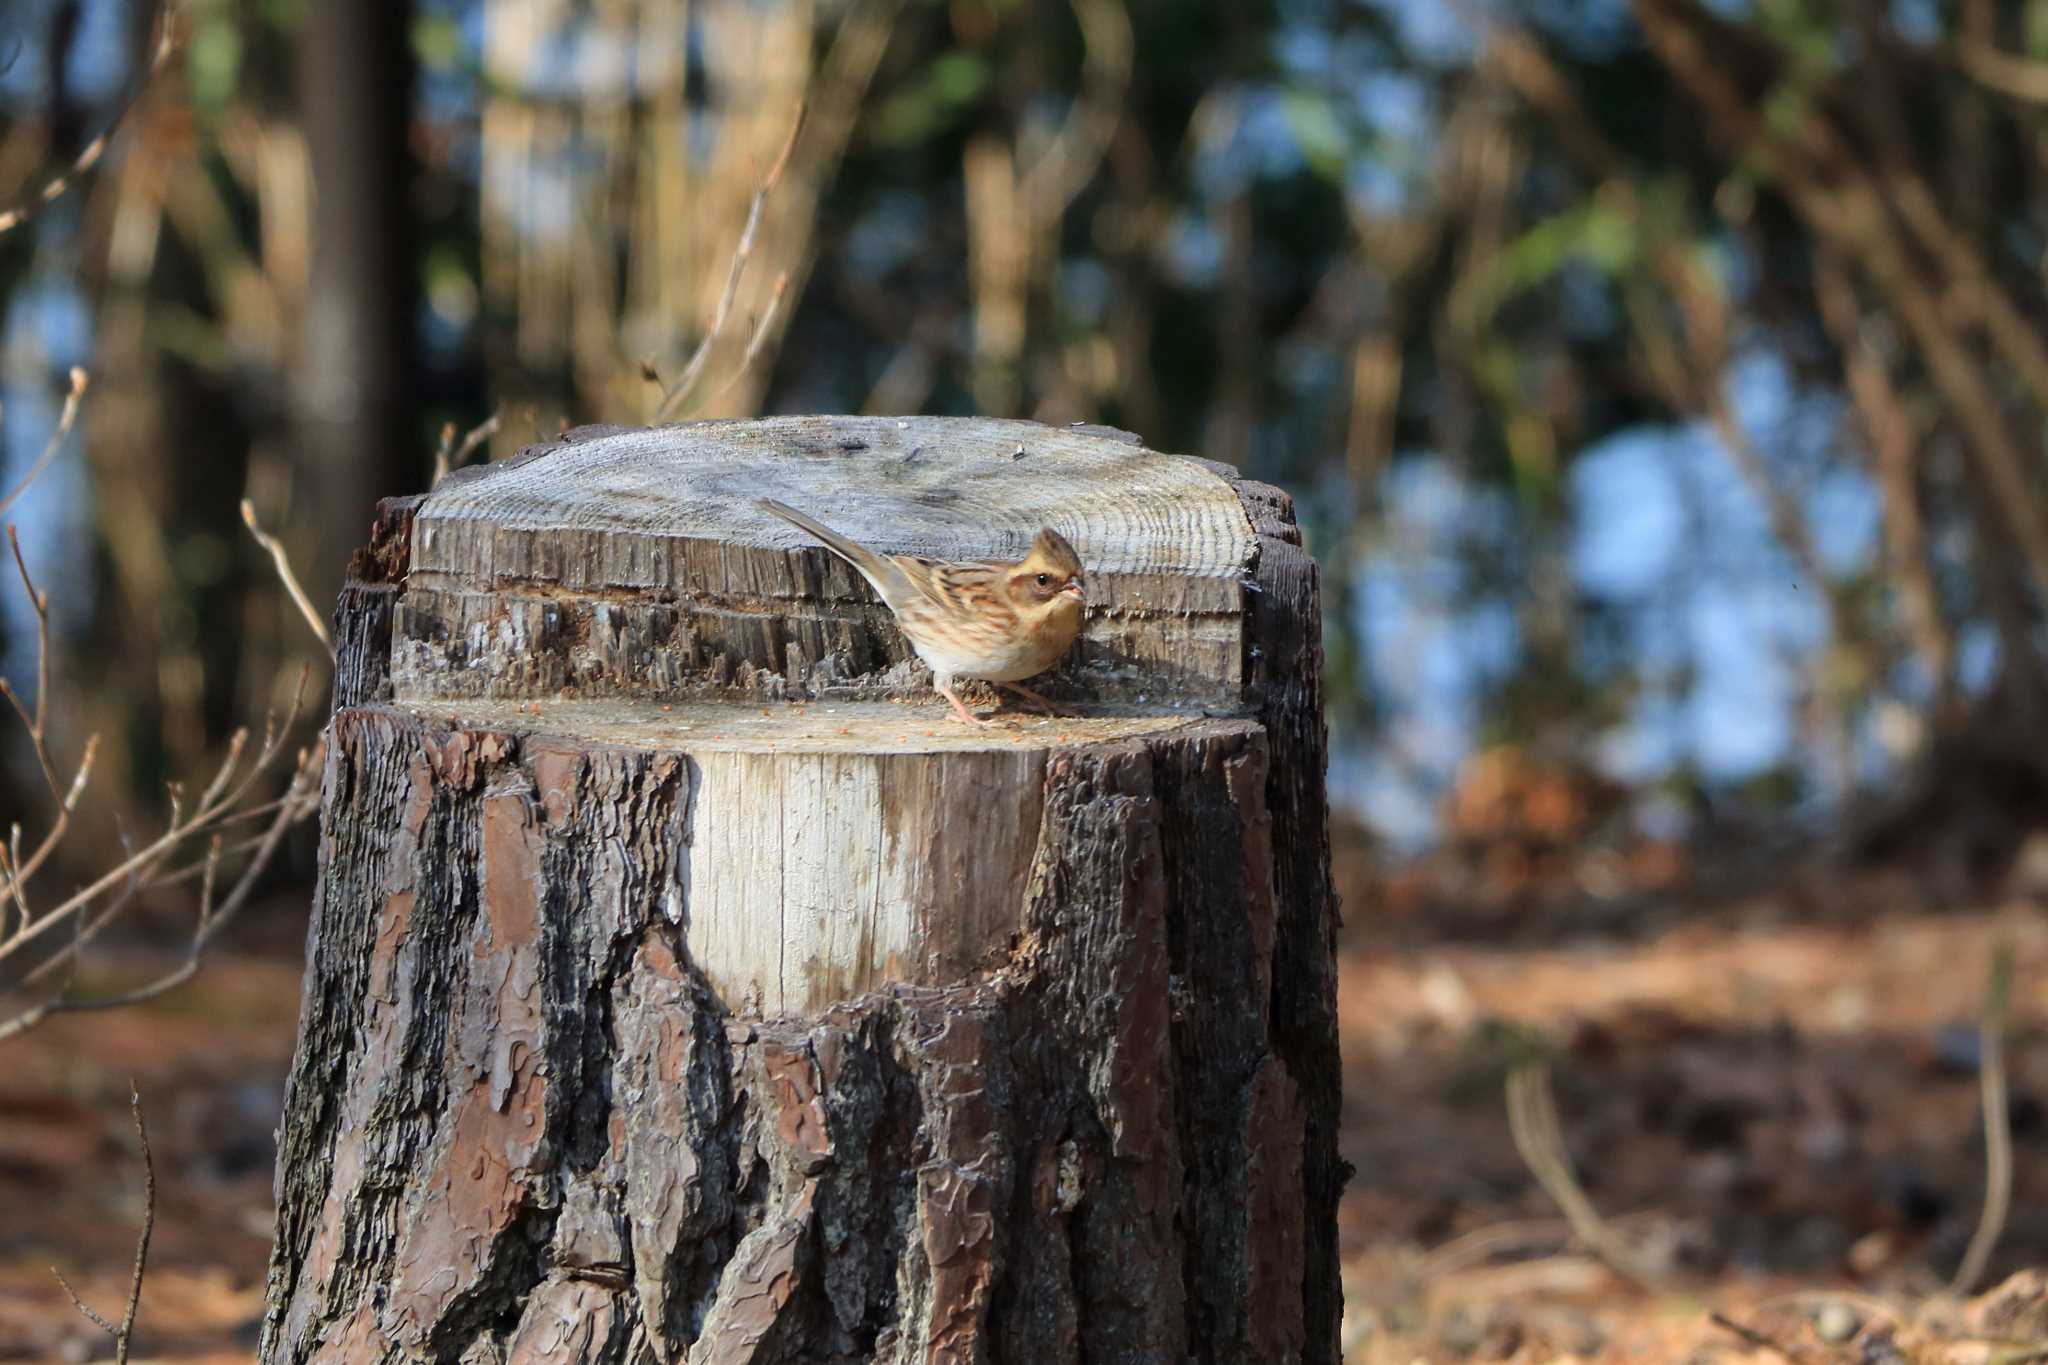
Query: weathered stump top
[638,563]
[623,589]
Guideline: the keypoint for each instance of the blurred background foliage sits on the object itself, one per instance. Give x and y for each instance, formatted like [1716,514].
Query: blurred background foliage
[1663,384]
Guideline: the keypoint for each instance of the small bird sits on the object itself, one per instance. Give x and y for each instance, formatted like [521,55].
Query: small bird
[995,621]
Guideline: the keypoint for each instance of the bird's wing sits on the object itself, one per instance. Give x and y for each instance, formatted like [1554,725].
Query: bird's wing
[970,589]
[884,572]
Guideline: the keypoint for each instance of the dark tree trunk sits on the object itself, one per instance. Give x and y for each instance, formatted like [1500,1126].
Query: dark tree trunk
[358,436]
[823,1030]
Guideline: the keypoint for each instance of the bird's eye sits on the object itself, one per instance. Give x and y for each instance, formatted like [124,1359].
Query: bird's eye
[1044,579]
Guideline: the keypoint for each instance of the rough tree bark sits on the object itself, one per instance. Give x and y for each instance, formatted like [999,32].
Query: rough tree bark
[673,994]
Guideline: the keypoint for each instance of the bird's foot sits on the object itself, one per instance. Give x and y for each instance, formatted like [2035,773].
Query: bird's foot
[960,711]
[1044,705]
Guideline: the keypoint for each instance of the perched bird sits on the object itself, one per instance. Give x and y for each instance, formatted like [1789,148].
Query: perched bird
[998,622]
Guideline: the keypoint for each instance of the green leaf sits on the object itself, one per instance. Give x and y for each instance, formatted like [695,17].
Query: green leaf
[1318,132]
[437,41]
[951,84]
[214,61]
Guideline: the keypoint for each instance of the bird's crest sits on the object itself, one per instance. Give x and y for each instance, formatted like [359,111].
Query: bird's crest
[1052,548]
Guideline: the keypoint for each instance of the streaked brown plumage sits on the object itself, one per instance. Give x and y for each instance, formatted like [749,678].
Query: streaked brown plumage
[999,622]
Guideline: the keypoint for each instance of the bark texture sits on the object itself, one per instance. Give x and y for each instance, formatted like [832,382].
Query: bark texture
[1085,1110]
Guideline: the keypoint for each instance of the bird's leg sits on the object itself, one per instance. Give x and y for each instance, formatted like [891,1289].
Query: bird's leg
[960,710]
[1034,698]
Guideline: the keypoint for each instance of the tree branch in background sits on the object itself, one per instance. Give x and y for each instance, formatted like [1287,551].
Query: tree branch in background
[1852,218]
[1851,213]
[764,328]
[999,244]
[674,395]
[451,456]
[282,563]
[79,381]
[124,1334]
[91,909]
[2019,77]
[223,805]
[1052,181]
[14,868]
[1695,381]
[1894,446]
[1690,378]
[82,164]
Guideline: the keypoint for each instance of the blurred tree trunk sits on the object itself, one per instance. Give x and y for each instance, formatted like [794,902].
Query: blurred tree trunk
[356,391]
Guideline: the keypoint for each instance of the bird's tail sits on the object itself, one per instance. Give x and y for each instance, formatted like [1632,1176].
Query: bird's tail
[888,580]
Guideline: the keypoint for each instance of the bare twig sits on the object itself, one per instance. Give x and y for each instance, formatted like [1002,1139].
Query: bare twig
[1483,1243]
[300,800]
[89,156]
[1870,1305]
[223,801]
[763,328]
[1751,1336]
[124,1334]
[1532,1120]
[1070,158]
[452,456]
[139,869]
[1932,283]
[673,396]
[34,721]
[56,441]
[290,580]
[1894,447]
[1997,1128]
[2019,77]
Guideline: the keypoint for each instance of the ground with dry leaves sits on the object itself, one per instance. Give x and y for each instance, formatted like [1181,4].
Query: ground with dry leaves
[1774,1098]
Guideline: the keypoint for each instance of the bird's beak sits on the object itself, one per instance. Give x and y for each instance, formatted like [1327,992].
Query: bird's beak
[1074,590]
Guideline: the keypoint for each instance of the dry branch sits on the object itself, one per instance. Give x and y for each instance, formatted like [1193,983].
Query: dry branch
[225,800]
[674,395]
[1997,1130]
[764,328]
[452,456]
[1532,1120]
[282,563]
[1752,1337]
[89,156]
[124,1334]
[1894,446]
[1049,185]
[64,423]
[1847,208]
[2018,77]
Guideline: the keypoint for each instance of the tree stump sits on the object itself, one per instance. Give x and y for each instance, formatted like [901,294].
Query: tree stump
[684,985]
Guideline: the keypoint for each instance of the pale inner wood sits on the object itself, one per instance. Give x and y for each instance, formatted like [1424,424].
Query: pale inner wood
[862,727]
[833,849]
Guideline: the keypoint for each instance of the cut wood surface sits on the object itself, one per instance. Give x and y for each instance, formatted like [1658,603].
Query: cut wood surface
[672,998]
[639,561]
[832,849]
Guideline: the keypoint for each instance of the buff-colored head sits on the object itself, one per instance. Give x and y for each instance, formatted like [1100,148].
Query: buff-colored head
[1049,580]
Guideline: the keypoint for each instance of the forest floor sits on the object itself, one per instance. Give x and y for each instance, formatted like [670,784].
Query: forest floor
[1773,1101]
